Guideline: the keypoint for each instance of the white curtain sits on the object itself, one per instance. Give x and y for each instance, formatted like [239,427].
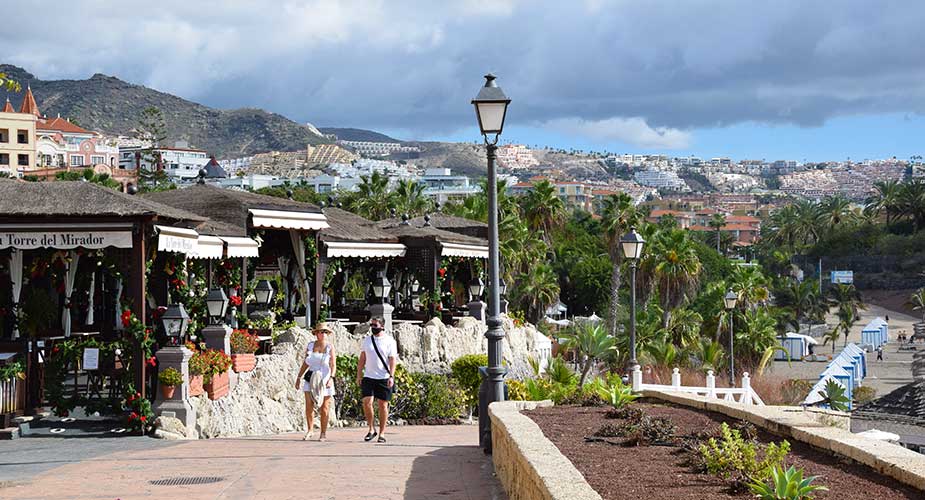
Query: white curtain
[118,299]
[68,291]
[283,262]
[16,279]
[89,320]
[298,247]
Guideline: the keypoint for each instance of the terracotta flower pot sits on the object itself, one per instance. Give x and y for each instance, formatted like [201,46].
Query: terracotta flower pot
[243,362]
[218,386]
[167,391]
[195,385]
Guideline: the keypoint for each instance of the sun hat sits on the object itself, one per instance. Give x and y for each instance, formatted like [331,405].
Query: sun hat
[324,327]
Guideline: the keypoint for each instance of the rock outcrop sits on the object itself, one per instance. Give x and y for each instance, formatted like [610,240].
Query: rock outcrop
[266,401]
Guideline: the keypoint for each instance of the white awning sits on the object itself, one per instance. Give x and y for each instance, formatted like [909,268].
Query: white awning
[176,239]
[283,219]
[364,249]
[459,250]
[241,247]
[209,247]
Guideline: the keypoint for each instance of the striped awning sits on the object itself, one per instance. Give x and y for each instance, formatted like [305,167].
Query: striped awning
[363,249]
[209,247]
[240,247]
[284,219]
[176,239]
[460,250]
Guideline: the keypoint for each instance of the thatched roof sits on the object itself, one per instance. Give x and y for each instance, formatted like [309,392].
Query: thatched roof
[904,405]
[346,226]
[461,225]
[403,231]
[230,206]
[80,199]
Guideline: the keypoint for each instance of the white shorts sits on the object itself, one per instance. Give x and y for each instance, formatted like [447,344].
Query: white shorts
[328,391]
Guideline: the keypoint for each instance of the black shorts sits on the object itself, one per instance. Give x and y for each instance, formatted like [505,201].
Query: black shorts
[377,388]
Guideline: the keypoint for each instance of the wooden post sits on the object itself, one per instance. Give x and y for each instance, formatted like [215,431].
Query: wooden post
[137,288]
[321,267]
[244,285]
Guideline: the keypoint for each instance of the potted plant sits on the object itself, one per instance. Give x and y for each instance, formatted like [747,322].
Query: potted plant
[198,365]
[243,347]
[215,379]
[169,379]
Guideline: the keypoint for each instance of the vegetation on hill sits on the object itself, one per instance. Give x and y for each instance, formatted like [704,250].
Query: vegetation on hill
[112,106]
[356,134]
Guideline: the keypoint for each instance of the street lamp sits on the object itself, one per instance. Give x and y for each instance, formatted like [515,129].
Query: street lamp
[730,301]
[491,109]
[476,287]
[632,244]
[175,321]
[415,286]
[381,287]
[263,292]
[217,304]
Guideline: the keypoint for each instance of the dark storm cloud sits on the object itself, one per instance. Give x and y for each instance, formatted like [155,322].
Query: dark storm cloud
[632,71]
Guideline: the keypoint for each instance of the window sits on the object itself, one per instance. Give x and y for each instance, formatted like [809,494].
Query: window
[77,160]
[45,160]
[96,160]
[4,135]
[23,160]
[4,159]
[22,136]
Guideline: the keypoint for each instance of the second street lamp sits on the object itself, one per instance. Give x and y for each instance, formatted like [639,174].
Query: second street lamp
[632,244]
[491,109]
[730,302]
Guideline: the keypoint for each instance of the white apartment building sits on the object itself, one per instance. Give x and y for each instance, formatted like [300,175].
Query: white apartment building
[178,163]
[660,179]
[516,156]
[366,148]
[443,186]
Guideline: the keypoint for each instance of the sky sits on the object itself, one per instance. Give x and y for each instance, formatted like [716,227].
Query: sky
[786,79]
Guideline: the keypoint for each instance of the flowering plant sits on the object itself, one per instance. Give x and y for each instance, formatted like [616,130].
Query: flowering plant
[198,365]
[235,300]
[170,377]
[243,342]
[216,362]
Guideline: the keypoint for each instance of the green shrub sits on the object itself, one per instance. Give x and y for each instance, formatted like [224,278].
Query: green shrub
[170,377]
[794,391]
[864,394]
[610,430]
[630,413]
[786,485]
[516,390]
[349,406]
[649,430]
[442,396]
[466,372]
[732,456]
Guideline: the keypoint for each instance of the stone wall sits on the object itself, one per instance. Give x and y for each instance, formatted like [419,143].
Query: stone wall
[529,465]
[266,401]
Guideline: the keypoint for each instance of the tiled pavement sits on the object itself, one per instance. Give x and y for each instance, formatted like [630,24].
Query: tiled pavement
[418,462]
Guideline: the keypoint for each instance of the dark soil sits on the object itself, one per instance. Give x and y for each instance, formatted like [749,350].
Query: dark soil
[662,472]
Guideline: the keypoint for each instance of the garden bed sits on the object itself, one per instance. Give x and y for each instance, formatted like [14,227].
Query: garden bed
[618,471]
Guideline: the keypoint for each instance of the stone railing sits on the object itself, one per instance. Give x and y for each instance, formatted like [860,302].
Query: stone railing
[743,394]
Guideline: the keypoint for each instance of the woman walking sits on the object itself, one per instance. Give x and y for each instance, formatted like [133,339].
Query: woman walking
[316,379]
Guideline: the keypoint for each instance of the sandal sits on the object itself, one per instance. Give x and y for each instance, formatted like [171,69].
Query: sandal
[370,436]
[380,440]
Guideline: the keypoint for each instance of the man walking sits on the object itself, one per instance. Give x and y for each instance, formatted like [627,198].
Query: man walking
[376,376]
[879,353]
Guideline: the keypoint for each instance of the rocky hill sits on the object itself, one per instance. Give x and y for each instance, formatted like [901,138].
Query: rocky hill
[112,106]
[357,134]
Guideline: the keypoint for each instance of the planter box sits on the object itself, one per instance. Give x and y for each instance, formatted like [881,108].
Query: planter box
[195,385]
[243,362]
[218,386]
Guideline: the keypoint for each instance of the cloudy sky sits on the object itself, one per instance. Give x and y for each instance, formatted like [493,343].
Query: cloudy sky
[757,79]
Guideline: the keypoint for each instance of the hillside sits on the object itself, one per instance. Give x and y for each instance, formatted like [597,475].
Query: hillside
[356,134]
[112,106]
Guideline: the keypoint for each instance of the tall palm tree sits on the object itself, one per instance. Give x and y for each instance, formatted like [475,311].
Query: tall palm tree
[912,202]
[917,301]
[835,210]
[536,290]
[684,327]
[619,214]
[677,270]
[543,209]
[717,222]
[886,200]
[591,343]
[846,296]
[372,197]
[408,198]
[751,286]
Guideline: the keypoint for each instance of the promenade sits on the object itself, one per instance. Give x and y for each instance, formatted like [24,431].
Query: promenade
[418,462]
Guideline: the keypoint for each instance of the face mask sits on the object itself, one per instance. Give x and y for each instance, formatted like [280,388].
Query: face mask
[376,329]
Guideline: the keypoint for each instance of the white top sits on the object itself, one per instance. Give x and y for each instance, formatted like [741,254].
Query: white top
[319,362]
[387,347]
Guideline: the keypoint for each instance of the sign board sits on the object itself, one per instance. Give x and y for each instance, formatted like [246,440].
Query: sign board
[170,243]
[66,239]
[91,359]
[843,277]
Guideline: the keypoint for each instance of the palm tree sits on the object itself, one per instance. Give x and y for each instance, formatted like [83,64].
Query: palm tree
[543,209]
[661,353]
[835,210]
[591,343]
[683,327]
[917,301]
[536,290]
[409,198]
[372,197]
[677,269]
[912,202]
[718,222]
[750,284]
[756,335]
[617,217]
[848,300]
[710,354]
[886,200]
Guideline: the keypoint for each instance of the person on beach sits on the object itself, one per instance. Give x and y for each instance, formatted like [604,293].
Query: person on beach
[376,376]
[316,379]
[879,353]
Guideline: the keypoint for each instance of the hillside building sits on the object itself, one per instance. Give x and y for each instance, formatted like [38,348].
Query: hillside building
[443,186]
[179,163]
[17,141]
[325,154]
[516,157]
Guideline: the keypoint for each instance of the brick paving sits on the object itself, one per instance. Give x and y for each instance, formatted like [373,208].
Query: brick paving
[418,462]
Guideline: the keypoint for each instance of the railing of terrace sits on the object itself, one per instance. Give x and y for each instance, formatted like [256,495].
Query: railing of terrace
[743,394]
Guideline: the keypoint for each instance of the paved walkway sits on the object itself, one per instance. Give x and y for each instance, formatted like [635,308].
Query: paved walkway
[418,462]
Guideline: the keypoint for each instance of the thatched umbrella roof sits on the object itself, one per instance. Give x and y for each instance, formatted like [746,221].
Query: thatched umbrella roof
[420,231]
[445,222]
[80,199]
[346,226]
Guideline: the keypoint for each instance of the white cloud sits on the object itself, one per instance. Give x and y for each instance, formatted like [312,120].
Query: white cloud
[634,131]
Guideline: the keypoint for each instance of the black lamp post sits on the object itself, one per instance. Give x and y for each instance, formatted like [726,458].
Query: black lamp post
[381,287]
[263,292]
[632,244]
[175,321]
[730,302]
[476,287]
[217,304]
[490,109]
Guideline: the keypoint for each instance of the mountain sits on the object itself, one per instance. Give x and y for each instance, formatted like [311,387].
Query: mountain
[357,134]
[112,106]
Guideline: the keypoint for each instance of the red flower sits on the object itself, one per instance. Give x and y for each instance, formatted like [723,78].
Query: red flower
[126,318]
[143,418]
[152,361]
[133,416]
[54,350]
[441,272]
[235,300]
